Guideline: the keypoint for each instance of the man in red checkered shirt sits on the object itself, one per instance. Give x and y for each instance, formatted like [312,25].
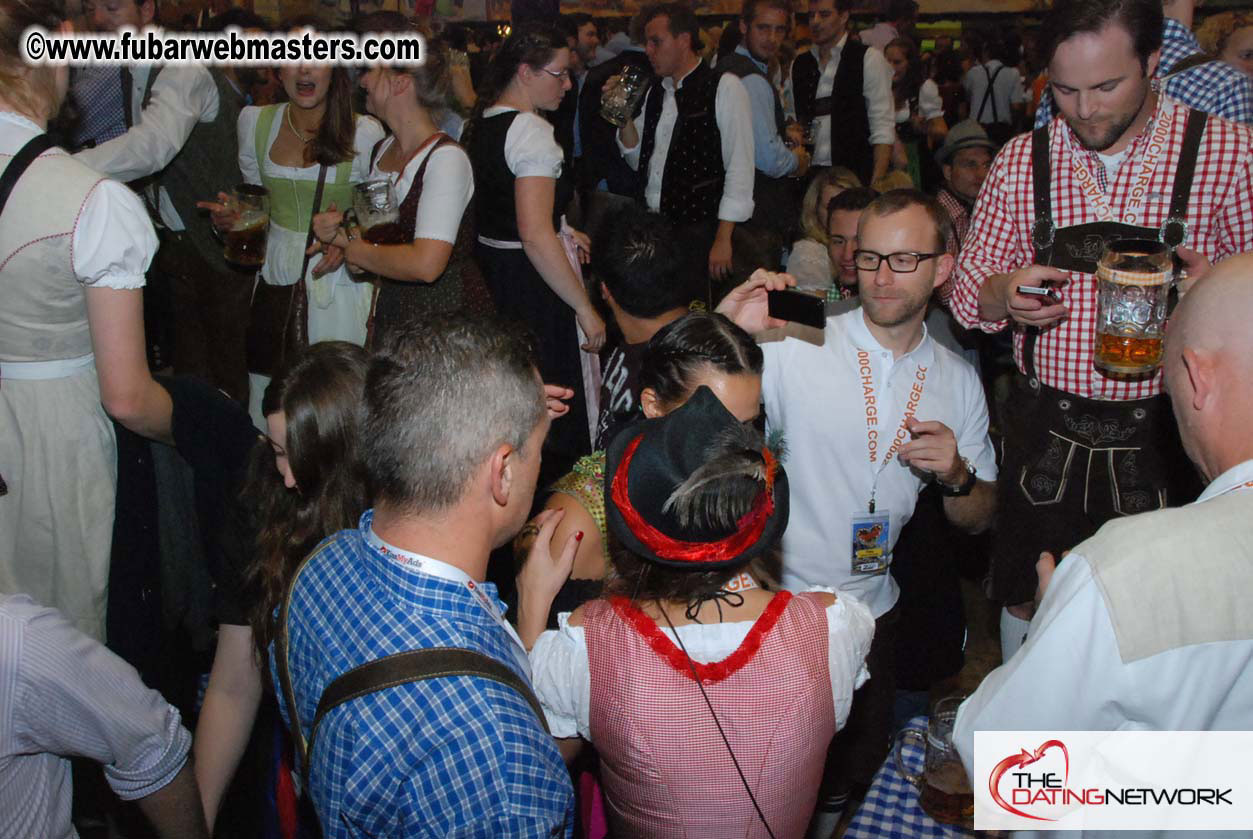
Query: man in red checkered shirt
[1082,447]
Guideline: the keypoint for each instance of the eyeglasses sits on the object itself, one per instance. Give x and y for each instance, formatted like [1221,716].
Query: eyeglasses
[564,75]
[903,262]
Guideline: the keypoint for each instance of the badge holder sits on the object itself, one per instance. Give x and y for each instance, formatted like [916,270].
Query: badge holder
[870,541]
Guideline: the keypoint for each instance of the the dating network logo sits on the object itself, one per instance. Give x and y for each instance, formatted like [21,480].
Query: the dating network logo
[1031,788]
[1035,783]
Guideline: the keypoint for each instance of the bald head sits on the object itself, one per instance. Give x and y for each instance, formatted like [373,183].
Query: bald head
[1216,314]
[1209,366]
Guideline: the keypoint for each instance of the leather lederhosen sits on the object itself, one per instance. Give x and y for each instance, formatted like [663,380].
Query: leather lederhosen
[1072,463]
[396,305]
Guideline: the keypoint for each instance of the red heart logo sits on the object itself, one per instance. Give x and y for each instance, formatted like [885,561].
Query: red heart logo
[1024,758]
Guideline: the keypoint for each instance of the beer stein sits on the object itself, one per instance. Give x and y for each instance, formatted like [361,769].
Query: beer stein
[810,137]
[244,243]
[618,101]
[1133,280]
[944,790]
[375,211]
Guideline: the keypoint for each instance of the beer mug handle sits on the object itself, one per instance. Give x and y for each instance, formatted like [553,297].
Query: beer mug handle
[901,736]
[349,222]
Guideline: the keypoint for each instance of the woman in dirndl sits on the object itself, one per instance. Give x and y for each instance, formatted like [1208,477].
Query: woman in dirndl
[311,146]
[710,695]
[522,195]
[74,247]
[425,260]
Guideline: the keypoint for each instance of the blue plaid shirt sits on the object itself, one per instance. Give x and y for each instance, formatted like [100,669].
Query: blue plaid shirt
[1216,88]
[452,757]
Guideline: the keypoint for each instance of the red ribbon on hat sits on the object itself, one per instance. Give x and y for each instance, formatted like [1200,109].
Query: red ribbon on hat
[747,530]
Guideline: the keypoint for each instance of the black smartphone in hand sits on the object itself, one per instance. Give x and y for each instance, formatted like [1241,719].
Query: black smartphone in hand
[802,307]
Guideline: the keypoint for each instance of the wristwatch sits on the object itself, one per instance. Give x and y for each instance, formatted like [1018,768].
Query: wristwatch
[962,489]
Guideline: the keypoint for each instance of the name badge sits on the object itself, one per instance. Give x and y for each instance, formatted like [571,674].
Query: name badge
[871,553]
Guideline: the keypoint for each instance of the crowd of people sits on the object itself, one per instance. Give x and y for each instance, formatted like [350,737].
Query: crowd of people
[535,509]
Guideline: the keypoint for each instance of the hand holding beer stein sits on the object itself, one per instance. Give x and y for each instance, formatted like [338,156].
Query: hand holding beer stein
[244,217]
[221,213]
[328,227]
[945,793]
[621,94]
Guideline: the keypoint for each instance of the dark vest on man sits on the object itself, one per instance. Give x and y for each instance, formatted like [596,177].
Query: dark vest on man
[850,122]
[691,183]
[775,200]
[207,163]
[495,213]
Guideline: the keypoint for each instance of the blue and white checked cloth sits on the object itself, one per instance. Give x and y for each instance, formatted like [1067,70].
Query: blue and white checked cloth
[891,809]
[460,757]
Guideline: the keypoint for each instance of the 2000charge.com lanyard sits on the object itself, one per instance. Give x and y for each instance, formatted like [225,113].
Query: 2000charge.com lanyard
[1154,151]
[866,372]
[435,568]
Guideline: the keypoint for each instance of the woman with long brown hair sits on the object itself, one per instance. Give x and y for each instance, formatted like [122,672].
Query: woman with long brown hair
[301,485]
[425,260]
[290,148]
[522,194]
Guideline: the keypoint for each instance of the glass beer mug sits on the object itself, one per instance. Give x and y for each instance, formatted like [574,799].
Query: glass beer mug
[375,211]
[945,793]
[244,244]
[1133,281]
[617,103]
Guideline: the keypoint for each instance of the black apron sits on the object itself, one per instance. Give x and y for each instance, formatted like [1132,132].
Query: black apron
[1070,463]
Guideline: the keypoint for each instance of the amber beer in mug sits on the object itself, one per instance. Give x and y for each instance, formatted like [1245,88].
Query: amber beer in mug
[244,242]
[1133,280]
[944,790]
[375,211]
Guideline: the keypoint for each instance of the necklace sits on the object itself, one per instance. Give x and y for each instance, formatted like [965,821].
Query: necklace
[293,127]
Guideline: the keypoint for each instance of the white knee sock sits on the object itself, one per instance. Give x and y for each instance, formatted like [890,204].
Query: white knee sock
[1013,633]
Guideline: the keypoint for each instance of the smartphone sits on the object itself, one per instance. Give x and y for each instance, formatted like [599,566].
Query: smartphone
[1040,291]
[798,306]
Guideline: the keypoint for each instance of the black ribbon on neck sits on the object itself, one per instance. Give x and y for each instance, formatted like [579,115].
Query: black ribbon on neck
[731,598]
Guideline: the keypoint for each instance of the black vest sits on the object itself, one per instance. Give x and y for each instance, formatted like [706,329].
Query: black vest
[691,184]
[207,161]
[495,213]
[775,200]
[743,66]
[850,122]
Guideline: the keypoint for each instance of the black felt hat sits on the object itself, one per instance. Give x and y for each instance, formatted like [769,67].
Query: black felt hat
[647,462]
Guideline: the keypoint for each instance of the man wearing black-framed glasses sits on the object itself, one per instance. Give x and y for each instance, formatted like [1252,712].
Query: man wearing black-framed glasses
[856,474]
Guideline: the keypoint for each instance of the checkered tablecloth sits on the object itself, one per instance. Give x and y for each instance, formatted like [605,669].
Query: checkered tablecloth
[891,809]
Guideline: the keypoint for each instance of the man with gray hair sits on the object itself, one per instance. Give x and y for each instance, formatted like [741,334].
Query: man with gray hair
[1146,625]
[454,418]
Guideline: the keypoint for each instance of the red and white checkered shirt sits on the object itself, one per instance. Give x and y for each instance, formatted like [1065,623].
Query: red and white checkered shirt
[1219,216]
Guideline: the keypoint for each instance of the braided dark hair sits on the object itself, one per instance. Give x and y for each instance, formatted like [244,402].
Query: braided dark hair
[684,348]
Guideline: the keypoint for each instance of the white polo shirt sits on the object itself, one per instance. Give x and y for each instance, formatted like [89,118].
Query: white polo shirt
[816,398]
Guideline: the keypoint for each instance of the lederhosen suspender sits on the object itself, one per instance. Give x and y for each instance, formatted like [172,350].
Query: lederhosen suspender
[1044,230]
[989,94]
[380,674]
